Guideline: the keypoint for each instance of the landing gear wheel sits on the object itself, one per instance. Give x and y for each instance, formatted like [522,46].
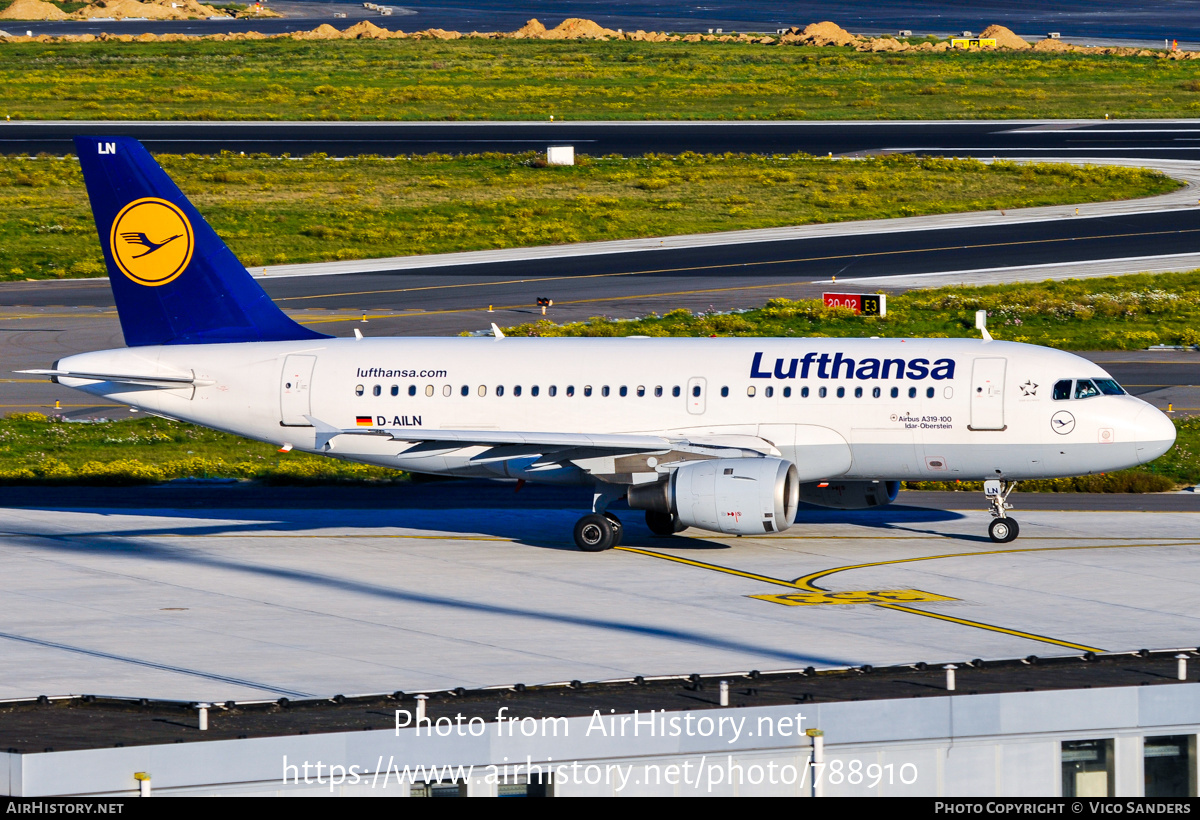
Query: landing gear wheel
[1003,530]
[594,533]
[617,527]
[664,524]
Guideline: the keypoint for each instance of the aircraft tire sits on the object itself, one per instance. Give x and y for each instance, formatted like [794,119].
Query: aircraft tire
[594,533]
[1003,530]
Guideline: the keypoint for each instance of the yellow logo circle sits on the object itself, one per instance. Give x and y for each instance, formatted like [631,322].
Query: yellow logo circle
[151,241]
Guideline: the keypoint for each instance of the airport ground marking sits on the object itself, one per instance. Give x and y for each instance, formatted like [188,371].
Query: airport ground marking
[806,585]
[805,582]
[990,627]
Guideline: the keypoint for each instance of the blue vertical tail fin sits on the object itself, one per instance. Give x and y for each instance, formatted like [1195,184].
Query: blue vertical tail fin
[174,280]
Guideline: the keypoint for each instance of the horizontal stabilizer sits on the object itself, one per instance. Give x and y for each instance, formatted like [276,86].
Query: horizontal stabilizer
[122,378]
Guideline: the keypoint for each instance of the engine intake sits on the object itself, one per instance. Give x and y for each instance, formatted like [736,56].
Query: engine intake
[743,496]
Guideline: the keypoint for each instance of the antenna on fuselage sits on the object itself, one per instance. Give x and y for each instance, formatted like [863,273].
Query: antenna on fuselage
[981,323]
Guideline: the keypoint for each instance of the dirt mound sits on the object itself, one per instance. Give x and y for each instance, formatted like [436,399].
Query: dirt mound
[1004,37]
[32,10]
[1052,45]
[366,30]
[826,34]
[532,28]
[576,28]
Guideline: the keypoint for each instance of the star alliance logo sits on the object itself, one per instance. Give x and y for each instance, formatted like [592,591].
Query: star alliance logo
[1029,388]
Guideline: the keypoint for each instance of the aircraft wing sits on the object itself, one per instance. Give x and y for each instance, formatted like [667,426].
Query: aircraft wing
[578,444]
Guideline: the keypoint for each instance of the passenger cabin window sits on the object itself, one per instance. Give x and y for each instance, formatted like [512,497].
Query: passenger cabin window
[675,391]
[624,391]
[499,390]
[553,390]
[517,390]
[769,392]
[429,390]
[465,390]
[696,391]
[376,390]
[641,391]
[876,393]
[604,391]
[533,391]
[724,392]
[822,392]
[804,392]
[1062,390]
[787,392]
[446,390]
[658,391]
[929,392]
[841,392]
[359,390]
[412,390]
[749,391]
[912,392]
[570,390]
[895,392]
[587,390]
[395,390]
[858,392]
[483,390]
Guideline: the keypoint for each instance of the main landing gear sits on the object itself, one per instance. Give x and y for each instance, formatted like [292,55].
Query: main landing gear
[600,530]
[1002,529]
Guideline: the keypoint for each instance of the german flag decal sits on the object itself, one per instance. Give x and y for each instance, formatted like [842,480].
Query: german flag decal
[364,421]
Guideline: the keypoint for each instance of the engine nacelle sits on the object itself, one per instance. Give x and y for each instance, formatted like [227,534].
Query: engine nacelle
[850,495]
[743,496]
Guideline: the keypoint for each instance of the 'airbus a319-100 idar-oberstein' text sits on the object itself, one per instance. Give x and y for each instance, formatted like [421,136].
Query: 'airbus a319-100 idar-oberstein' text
[727,435]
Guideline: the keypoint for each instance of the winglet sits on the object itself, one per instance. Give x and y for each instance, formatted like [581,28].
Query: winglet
[981,324]
[496,331]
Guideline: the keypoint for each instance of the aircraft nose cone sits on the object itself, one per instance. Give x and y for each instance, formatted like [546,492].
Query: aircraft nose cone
[1154,433]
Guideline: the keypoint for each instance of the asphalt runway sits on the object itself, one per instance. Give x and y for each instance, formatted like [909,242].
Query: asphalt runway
[1030,139]
[181,593]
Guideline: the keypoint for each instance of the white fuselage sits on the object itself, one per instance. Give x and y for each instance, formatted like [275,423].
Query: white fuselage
[911,409]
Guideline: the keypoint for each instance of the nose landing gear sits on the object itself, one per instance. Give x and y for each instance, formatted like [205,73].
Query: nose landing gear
[1002,529]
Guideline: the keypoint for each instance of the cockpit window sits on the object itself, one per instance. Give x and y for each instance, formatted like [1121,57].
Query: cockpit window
[1062,390]
[1085,389]
[1109,387]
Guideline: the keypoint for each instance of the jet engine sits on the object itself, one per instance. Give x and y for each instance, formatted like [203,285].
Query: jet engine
[850,495]
[743,496]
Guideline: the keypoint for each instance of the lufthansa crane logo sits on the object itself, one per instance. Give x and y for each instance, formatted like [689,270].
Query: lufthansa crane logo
[151,241]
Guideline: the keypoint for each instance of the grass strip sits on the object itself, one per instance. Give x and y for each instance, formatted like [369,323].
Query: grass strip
[277,210]
[534,79]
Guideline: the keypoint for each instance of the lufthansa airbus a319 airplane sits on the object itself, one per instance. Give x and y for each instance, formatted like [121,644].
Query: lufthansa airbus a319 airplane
[727,435]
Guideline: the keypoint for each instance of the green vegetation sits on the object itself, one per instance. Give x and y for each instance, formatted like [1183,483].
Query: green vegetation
[1115,313]
[533,79]
[38,450]
[275,211]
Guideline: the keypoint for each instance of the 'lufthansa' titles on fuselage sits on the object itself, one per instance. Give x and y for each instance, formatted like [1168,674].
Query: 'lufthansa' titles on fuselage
[838,366]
